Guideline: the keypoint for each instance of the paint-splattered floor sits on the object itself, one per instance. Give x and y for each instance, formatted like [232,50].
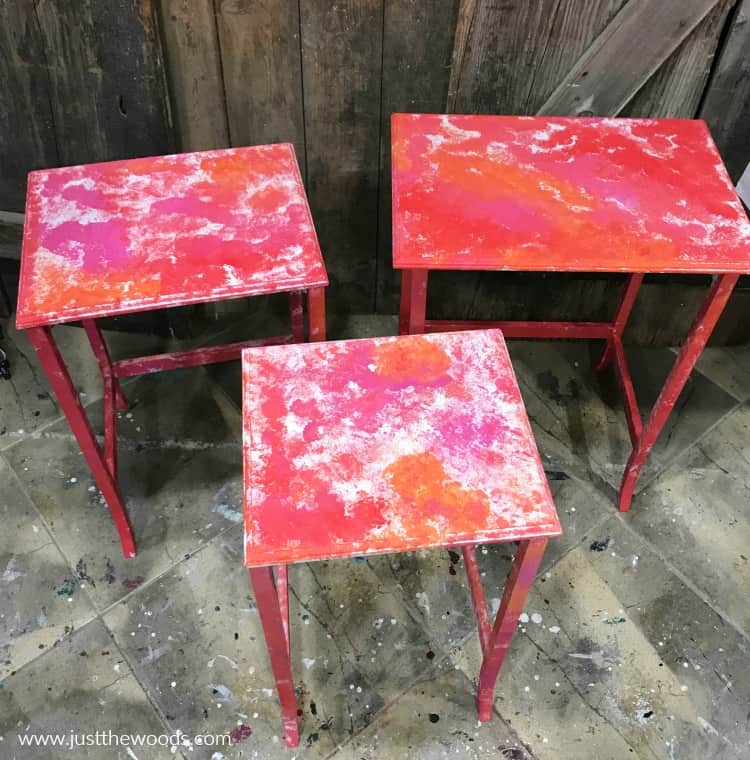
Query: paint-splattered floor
[635,642]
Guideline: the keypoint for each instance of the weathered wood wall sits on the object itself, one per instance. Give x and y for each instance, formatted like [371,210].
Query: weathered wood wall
[88,80]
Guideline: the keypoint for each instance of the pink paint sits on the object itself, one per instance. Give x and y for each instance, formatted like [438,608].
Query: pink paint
[387,444]
[113,238]
[563,194]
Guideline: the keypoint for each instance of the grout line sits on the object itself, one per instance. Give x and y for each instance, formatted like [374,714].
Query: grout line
[702,595]
[161,717]
[186,557]
[669,462]
[447,651]
[99,614]
[717,383]
[434,666]
[652,547]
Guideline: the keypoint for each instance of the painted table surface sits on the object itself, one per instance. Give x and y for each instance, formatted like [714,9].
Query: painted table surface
[387,445]
[125,236]
[563,194]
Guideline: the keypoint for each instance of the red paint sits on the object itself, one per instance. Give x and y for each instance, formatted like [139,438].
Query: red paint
[477,596]
[563,194]
[196,357]
[387,444]
[124,236]
[275,633]
[627,301]
[521,576]
[568,194]
[700,331]
[59,379]
[519,329]
[240,733]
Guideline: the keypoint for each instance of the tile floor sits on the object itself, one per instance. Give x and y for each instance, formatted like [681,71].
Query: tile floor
[637,639]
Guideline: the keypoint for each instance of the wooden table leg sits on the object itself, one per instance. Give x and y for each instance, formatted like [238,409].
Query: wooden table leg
[57,374]
[316,314]
[700,331]
[282,589]
[267,600]
[298,316]
[521,576]
[403,312]
[114,398]
[99,347]
[621,318]
[413,302]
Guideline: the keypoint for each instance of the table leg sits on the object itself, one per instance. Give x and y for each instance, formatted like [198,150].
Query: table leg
[99,347]
[316,314]
[413,302]
[621,318]
[520,578]
[700,331]
[114,399]
[57,374]
[298,316]
[403,312]
[271,618]
[282,588]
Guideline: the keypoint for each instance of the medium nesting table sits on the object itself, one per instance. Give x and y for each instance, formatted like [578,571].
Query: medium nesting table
[127,236]
[389,445]
[508,193]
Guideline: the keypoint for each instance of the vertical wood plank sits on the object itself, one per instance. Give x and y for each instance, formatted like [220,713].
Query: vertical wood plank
[464,20]
[260,51]
[27,134]
[191,52]
[726,107]
[107,81]
[503,44]
[341,64]
[417,49]
[575,25]
[496,51]
[625,55]
[675,91]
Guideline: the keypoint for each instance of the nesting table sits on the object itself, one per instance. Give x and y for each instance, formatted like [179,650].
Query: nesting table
[508,193]
[386,445]
[128,236]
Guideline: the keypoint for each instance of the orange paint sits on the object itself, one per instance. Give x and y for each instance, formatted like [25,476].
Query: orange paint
[124,236]
[563,194]
[421,481]
[387,444]
[421,360]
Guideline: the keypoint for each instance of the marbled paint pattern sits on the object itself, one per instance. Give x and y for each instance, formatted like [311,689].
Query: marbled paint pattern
[124,236]
[385,445]
[567,194]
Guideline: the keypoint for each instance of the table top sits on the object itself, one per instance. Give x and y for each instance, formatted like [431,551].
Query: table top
[126,236]
[387,445]
[563,194]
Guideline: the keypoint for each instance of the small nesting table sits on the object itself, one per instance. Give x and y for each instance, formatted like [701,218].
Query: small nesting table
[128,236]
[510,193]
[389,445]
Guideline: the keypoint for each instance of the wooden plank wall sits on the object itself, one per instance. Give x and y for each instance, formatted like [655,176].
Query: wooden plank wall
[86,80]
[79,81]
